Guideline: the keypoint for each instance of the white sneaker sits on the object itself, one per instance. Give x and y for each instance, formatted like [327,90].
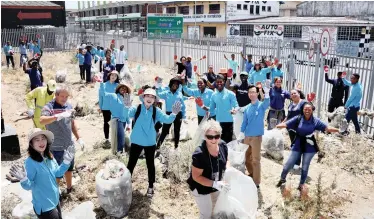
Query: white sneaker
[150,192]
[296,167]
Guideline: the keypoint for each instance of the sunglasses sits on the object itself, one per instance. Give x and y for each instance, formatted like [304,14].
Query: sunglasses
[211,137]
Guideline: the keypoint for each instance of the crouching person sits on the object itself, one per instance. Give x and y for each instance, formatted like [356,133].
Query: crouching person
[209,162]
[143,135]
[40,172]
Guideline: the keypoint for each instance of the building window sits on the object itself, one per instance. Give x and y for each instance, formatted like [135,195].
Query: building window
[349,33]
[371,33]
[257,9]
[292,31]
[245,7]
[263,8]
[239,6]
[246,30]
[184,10]
[199,9]
[171,10]
[251,9]
[214,9]
[269,8]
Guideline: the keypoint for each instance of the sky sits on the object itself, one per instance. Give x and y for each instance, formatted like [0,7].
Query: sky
[71,4]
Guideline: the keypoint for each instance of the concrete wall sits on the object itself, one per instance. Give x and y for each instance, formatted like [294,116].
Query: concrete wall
[335,8]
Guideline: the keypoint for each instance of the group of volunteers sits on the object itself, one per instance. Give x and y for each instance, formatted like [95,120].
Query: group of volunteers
[25,49]
[109,59]
[253,93]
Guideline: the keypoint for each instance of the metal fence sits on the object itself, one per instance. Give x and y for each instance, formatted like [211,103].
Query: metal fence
[297,65]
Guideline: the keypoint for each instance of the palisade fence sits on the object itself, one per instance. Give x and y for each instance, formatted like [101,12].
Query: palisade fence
[296,63]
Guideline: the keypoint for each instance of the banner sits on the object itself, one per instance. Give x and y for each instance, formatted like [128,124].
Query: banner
[233,30]
[268,31]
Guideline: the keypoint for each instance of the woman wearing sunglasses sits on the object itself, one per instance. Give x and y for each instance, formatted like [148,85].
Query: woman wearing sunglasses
[209,162]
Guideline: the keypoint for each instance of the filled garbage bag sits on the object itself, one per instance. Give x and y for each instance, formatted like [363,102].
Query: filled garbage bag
[83,210]
[114,189]
[236,155]
[241,201]
[61,76]
[25,209]
[238,120]
[273,143]
[126,76]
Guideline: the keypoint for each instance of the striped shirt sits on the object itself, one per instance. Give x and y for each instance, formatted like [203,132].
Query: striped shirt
[61,129]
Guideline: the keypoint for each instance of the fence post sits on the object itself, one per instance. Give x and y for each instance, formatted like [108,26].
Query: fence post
[160,49]
[278,49]
[244,51]
[315,80]
[291,69]
[181,47]
[142,49]
[175,48]
[154,51]
[64,40]
[208,53]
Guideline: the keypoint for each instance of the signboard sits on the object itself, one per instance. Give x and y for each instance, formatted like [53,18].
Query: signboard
[111,17]
[204,18]
[241,10]
[314,33]
[160,26]
[311,49]
[233,30]
[268,31]
[325,42]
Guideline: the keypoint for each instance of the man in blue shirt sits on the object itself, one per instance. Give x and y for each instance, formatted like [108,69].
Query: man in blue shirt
[224,102]
[23,53]
[87,63]
[248,62]
[253,130]
[34,74]
[8,51]
[234,65]
[353,103]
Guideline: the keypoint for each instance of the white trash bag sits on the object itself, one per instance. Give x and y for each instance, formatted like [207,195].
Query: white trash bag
[25,209]
[236,155]
[238,120]
[273,143]
[113,135]
[184,134]
[83,210]
[241,202]
[114,189]
[61,76]
[126,76]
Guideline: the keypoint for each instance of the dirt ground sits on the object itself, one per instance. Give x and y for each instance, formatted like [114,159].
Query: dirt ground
[340,186]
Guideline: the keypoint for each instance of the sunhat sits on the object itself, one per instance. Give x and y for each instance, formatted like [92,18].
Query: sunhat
[222,71]
[37,131]
[124,84]
[150,91]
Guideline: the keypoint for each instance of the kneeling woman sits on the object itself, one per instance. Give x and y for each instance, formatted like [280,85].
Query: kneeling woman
[120,112]
[143,135]
[40,173]
[209,162]
[304,145]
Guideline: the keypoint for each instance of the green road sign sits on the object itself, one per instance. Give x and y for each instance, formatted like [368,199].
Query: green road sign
[164,26]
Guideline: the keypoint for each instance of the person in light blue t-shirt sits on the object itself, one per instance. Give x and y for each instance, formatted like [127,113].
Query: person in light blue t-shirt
[353,103]
[40,172]
[234,65]
[80,57]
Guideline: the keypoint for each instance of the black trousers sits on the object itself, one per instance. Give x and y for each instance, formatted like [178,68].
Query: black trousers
[166,129]
[101,65]
[8,60]
[149,152]
[158,126]
[334,104]
[227,131]
[87,69]
[107,115]
[52,214]
[81,71]
[119,67]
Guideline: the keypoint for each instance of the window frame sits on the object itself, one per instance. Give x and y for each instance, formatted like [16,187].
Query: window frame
[202,11]
[246,30]
[292,31]
[238,6]
[217,11]
[172,7]
[183,7]
[352,33]
[245,7]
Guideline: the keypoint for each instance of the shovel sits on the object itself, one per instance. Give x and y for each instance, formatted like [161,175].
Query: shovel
[24,116]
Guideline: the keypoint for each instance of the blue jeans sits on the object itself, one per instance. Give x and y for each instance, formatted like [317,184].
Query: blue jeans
[294,156]
[120,135]
[352,115]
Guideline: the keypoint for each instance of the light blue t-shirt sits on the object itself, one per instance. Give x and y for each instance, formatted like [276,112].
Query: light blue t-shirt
[233,65]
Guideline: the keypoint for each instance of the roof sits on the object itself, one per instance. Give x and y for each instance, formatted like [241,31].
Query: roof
[313,21]
[29,5]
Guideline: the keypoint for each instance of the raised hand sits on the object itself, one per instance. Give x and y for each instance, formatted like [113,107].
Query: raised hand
[176,107]
[69,154]
[175,57]
[199,102]
[326,69]
[19,172]
[195,68]
[229,73]
[127,100]
[344,74]
[311,97]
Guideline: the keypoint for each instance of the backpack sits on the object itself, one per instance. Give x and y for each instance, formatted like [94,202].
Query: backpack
[137,113]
